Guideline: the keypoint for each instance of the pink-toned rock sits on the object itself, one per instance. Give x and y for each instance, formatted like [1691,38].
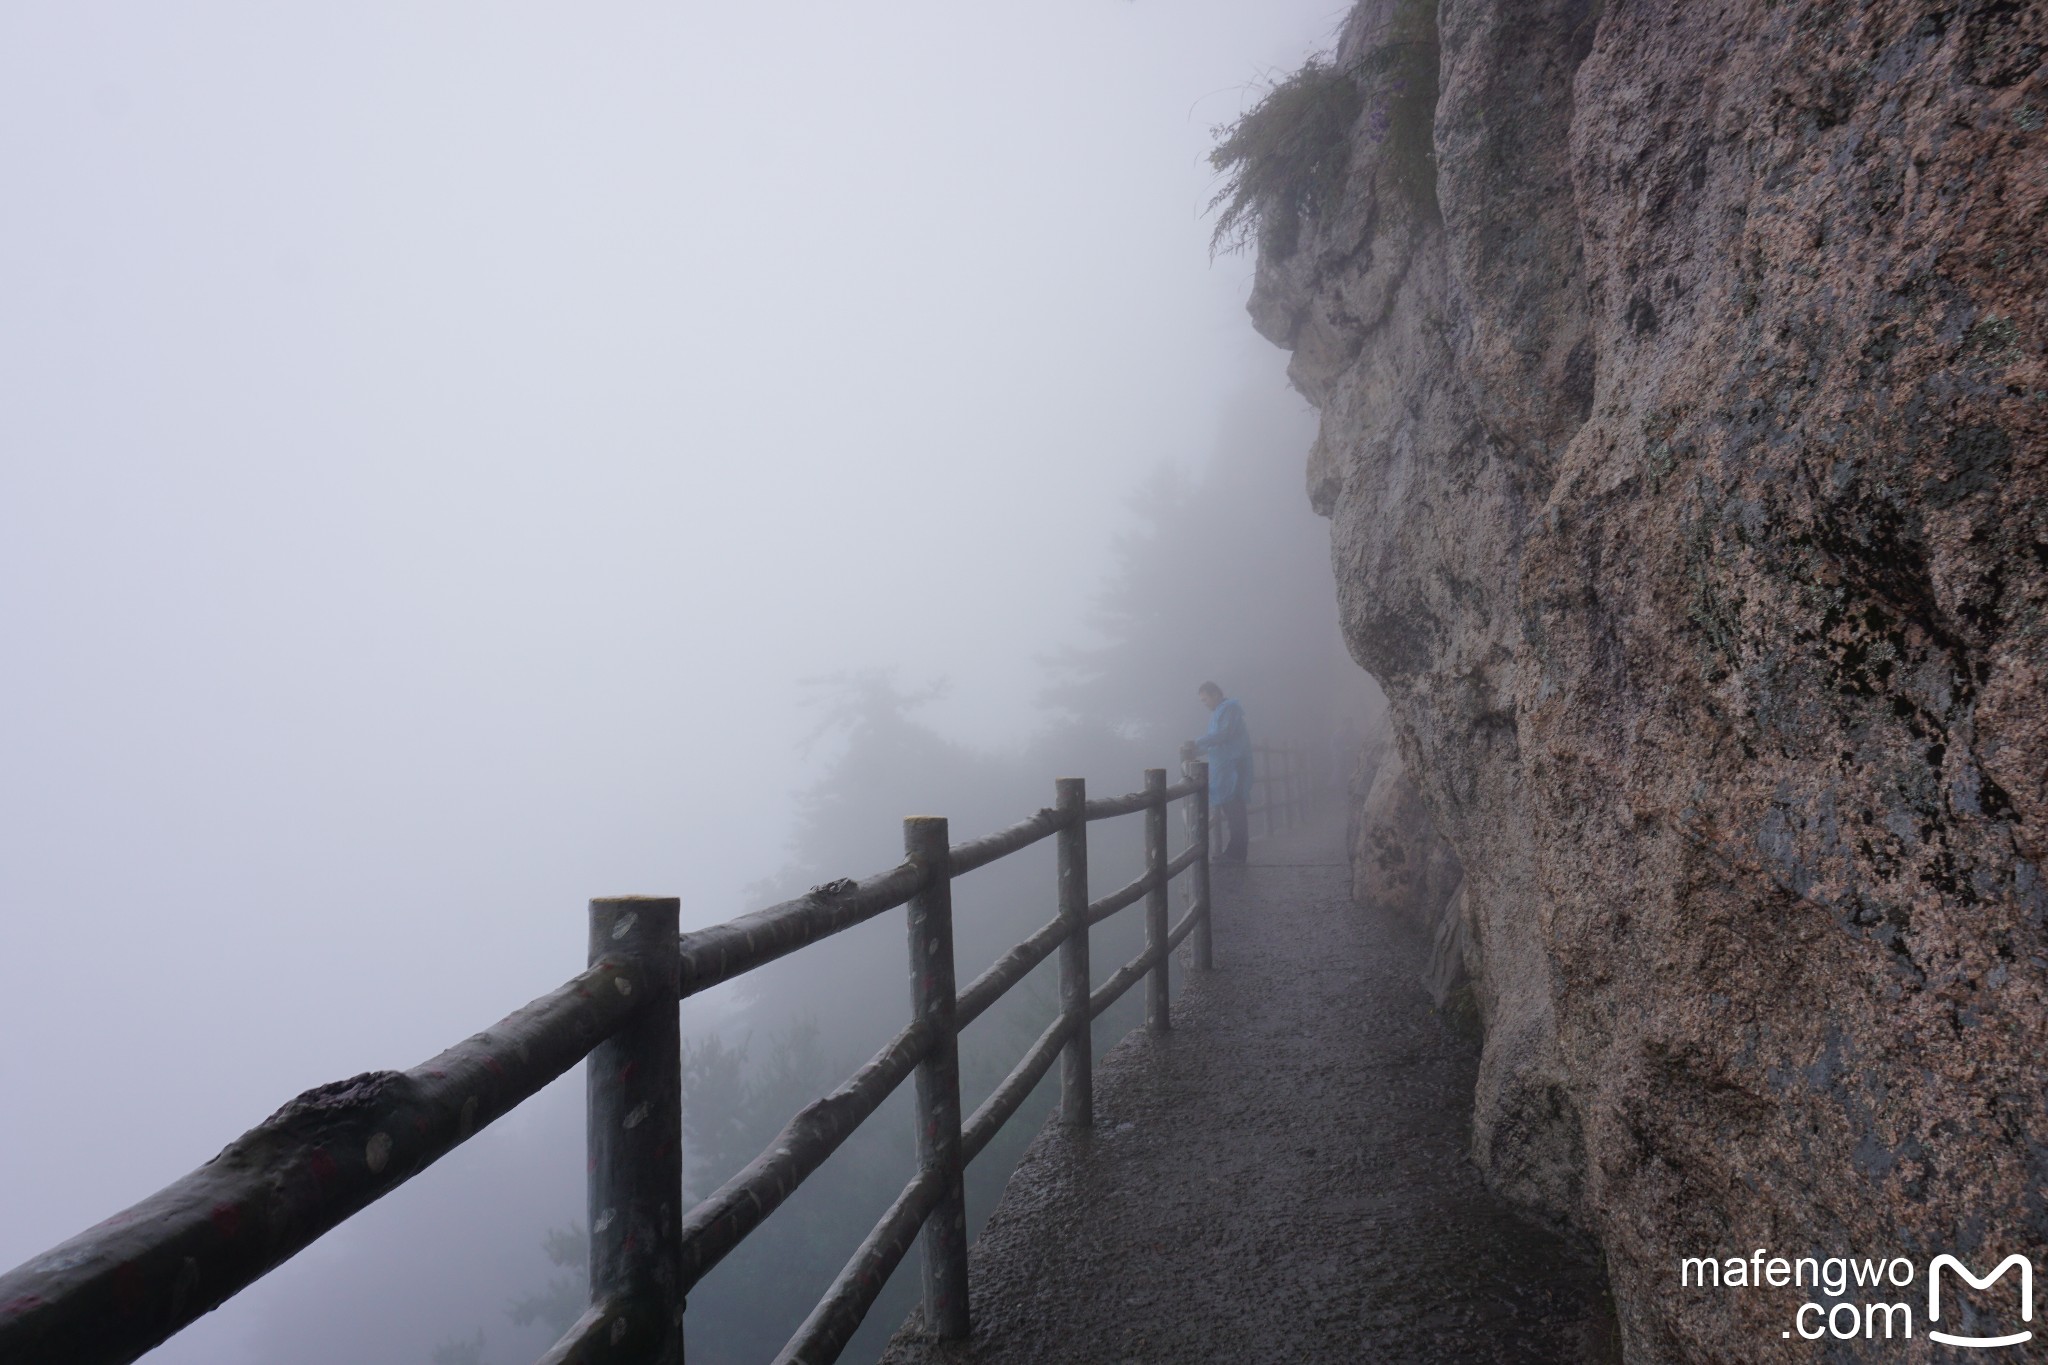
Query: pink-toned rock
[1686,451]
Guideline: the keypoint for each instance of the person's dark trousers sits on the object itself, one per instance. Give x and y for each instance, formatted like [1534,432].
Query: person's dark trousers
[1234,832]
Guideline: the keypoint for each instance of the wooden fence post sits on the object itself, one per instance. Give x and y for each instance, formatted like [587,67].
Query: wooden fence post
[634,1132]
[1077,1061]
[1204,953]
[1156,898]
[938,1077]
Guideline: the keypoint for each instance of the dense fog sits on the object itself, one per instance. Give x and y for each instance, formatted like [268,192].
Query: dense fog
[463,460]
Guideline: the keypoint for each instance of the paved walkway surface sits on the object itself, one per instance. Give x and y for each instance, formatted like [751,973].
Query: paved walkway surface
[1282,1178]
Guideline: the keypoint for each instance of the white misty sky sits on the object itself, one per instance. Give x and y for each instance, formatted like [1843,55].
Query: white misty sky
[436,439]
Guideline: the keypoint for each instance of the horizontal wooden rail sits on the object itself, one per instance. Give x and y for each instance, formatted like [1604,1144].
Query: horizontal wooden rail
[1186,926]
[1131,892]
[832,1323]
[995,1111]
[1022,835]
[1132,972]
[724,951]
[839,1314]
[119,1289]
[591,1340]
[1008,970]
[1120,980]
[741,1204]
[1109,807]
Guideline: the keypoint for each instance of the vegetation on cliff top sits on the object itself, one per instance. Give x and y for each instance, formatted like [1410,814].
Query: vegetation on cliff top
[1286,158]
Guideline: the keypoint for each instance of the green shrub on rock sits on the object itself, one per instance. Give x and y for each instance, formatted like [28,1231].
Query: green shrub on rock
[1286,158]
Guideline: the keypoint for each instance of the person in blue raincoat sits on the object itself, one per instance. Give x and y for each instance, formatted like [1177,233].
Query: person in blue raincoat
[1228,747]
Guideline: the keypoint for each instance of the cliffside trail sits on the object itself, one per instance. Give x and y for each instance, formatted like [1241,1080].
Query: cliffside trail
[1282,1177]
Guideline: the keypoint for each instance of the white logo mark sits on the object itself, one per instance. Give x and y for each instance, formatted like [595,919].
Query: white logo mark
[2026,1298]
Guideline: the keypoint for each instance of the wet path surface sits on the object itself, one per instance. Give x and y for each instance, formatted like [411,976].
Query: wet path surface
[1281,1178]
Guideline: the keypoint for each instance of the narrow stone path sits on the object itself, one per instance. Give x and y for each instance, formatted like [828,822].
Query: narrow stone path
[1282,1178]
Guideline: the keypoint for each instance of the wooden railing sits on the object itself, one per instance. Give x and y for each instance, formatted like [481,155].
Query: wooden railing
[121,1288]
[1283,788]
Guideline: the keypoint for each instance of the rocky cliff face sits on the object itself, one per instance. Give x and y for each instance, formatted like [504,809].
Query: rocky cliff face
[1683,439]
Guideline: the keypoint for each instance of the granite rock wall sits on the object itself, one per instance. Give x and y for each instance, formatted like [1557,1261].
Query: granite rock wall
[1683,436]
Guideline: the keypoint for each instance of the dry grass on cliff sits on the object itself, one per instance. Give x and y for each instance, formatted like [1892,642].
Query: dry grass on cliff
[1286,158]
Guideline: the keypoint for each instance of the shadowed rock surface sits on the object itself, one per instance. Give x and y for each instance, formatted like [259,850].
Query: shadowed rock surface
[1283,1177]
